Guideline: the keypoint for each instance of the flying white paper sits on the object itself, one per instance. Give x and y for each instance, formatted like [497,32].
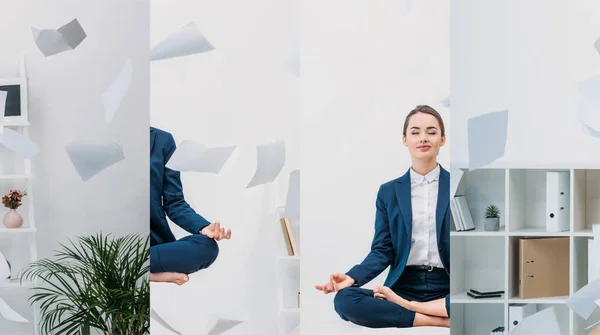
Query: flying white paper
[89,159]
[589,105]
[223,325]
[270,161]
[4,268]
[186,41]
[161,321]
[112,97]
[18,143]
[583,302]
[487,138]
[292,202]
[191,156]
[53,41]
[455,177]
[597,45]
[3,95]
[543,322]
[9,313]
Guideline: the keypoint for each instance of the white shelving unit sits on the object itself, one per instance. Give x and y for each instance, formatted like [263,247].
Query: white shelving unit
[20,178]
[288,284]
[484,259]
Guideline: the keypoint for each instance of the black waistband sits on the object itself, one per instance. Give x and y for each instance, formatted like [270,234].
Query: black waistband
[424,268]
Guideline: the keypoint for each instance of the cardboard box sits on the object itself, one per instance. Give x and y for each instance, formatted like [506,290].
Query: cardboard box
[543,267]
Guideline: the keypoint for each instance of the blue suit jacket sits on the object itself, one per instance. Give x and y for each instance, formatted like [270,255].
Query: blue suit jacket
[393,230]
[166,193]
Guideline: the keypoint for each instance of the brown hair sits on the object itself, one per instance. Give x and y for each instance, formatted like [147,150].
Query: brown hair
[427,110]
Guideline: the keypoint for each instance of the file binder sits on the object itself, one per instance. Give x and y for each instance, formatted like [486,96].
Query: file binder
[543,267]
[517,313]
[557,201]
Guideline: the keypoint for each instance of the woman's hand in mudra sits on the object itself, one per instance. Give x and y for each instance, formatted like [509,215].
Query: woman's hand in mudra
[214,230]
[386,293]
[337,282]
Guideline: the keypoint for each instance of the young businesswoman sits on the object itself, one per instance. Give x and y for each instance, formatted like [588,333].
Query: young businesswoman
[412,237]
[172,260]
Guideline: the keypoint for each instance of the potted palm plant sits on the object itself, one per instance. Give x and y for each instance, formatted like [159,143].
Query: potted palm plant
[491,221]
[98,284]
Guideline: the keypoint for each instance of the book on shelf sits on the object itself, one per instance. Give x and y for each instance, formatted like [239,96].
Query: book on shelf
[498,331]
[483,296]
[288,236]
[486,291]
[461,213]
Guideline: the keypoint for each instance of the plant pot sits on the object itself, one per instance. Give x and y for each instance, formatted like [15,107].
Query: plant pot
[491,224]
[12,219]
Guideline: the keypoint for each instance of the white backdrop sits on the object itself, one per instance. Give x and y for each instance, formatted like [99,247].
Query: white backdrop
[239,93]
[365,65]
[65,105]
[525,56]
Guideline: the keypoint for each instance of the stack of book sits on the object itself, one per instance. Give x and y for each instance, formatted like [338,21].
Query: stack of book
[481,294]
[463,220]
[498,331]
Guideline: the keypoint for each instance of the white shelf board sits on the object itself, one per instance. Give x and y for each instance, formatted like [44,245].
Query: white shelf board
[17,230]
[478,232]
[8,122]
[549,300]
[15,176]
[463,298]
[537,232]
[585,233]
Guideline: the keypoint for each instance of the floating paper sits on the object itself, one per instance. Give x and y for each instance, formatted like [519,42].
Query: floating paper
[187,41]
[3,95]
[487,138]
[582,302]
[191,156]
[598,302]
[90,159]
[270,161]
[292,202]
[111,99]
[597,45]
[18,143]
[446,102]
[51,41]
[543,322]
[9,313]
[4,268]
[223,325]
[455,177]
[161,321]
[589,104]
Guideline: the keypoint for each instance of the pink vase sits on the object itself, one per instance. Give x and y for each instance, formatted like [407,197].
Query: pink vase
[12,219]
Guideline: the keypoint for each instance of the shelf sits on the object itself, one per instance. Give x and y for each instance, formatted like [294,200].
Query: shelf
[549,300]
[478,232]
[17,230]
[537,232]
[463,298]
[15,123]
[14,177]
[584,233]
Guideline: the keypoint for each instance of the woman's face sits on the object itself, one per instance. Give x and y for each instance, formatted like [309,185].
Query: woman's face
[423,136]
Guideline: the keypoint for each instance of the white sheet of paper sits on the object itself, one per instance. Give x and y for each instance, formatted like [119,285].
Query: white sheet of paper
[598,302]
[7,312]
[186,41]
[222,325]
[18,143]
[543,322]
[89,159]
[582,302]
[3,95]
[161,321]
[292,201]
[4,269]
[270,161]
[487,138]
[589,104]
[191,156]
[455,177]
[597,45]
[54,41]
[112,97]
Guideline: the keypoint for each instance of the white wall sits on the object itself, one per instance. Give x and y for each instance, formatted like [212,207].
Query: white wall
[238,94]
[65,105]
[365,65]
[525,56]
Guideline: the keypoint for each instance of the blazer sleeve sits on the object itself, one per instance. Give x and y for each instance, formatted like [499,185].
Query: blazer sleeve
[174,204]
[382,250]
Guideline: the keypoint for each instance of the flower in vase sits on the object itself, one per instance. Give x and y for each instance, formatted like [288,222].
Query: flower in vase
[13,199]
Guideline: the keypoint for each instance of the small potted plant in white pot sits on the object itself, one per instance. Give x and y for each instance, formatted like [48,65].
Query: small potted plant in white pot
[491,221]
[13,200]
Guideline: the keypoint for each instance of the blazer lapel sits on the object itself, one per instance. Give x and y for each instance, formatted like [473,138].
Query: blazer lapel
[443,200]
[152,137]
[402,188]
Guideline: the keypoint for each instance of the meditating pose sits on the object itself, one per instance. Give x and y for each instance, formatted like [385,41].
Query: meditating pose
[412,237]
[171,260]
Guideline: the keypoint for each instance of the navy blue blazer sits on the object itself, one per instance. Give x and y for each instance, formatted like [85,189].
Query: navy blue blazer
[166,193]
[393,230]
